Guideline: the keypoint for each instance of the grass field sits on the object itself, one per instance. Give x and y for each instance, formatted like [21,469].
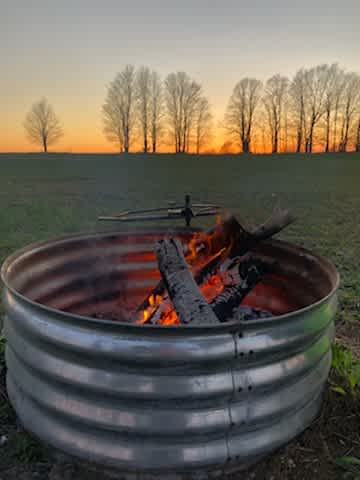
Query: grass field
[46,196]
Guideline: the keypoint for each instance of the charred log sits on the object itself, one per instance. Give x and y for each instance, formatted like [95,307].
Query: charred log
[229,239]
[278,220]
[211,243]
[183,291]
[246,314]
[250,273]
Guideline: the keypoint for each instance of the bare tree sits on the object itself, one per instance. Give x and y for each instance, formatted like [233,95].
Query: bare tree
[156,109]
[113,127]
[297,96]
[338,97]
[357,146]
[316,84]
[351,106]
[239,116]
[274,101]
[331,103]
[143,92]
[286,122]
[119,108]
[203,124]
[42,125]
[182,95]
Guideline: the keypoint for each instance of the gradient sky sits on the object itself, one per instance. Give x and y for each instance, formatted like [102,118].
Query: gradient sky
[69,50]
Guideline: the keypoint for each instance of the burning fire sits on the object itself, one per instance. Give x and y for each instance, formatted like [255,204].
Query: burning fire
[167,315]
[199,248]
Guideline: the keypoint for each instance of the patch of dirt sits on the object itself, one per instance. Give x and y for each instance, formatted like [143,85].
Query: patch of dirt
[335,433]
[348,335]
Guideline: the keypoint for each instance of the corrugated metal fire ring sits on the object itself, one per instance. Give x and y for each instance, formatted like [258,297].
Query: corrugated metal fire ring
[152,400]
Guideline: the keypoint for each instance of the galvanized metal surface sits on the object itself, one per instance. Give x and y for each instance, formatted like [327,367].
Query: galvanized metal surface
[161,400]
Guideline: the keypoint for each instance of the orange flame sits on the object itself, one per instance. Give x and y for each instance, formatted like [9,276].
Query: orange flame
[199,249]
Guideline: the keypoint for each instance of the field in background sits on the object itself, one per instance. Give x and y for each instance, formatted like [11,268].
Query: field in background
[42,197]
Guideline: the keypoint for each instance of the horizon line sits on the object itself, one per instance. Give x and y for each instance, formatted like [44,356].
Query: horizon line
[178,154]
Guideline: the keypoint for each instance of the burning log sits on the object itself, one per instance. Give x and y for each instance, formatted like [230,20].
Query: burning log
[210,249]
[184,293]
[206,248]
[243,273]
[224,304]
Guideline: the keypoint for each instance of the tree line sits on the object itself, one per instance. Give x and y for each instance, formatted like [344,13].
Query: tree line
[319,108]
[140,105]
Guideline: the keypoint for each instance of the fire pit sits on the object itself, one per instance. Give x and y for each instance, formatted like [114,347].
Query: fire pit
[145,399]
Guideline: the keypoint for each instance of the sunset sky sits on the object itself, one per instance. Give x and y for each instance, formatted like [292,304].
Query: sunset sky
[69,50]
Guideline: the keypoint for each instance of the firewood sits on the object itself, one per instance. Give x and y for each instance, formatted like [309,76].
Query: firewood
[278,220]
[210,243]
[184,293]
[156,313]
[229,239]
[244,313]
[243,241]
[244,275]
[224,304]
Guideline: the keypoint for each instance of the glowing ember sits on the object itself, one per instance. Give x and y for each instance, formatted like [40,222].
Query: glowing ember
[170,319]
[202,247]
[167,315]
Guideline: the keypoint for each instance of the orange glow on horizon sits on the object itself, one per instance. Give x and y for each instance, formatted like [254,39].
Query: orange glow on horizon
[79,140]
[100,145]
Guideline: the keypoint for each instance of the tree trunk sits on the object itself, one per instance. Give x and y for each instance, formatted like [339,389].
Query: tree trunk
[327,142]
[344,143]
[298,141]
[276,141]
[246,146]
[300,129]
[45,145]
[145,143]
[344,135]
[286,132]
[126,141]
[335,129]
[153,136]
[309,141]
